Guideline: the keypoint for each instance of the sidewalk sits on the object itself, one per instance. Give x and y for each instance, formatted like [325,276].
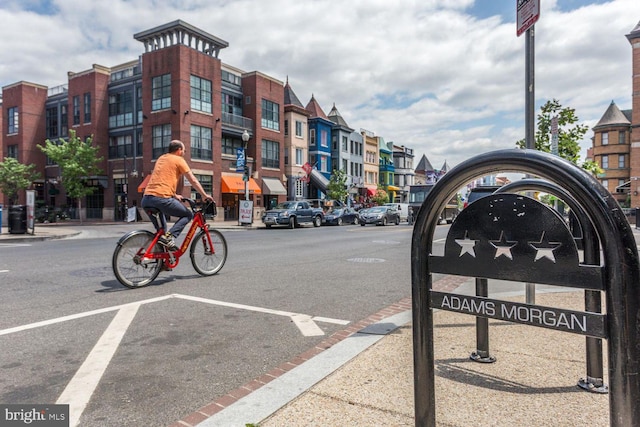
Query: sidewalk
[67,229]
[363,376]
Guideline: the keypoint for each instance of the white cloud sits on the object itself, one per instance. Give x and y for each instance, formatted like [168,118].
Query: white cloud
[424,74]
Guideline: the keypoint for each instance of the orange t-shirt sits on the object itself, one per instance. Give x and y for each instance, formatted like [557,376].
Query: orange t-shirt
[166,174]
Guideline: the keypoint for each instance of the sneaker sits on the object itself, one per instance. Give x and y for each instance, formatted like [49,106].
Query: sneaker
[168,242]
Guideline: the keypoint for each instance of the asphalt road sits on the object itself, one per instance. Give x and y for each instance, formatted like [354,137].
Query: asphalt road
[70,331]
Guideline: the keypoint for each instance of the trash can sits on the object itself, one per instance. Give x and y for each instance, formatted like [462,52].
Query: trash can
[17,219]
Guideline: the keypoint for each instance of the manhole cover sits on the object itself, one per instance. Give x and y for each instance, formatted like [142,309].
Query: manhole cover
[366,260]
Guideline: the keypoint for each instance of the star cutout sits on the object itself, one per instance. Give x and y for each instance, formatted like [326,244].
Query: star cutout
[503,246]
[467,245]
[545,250]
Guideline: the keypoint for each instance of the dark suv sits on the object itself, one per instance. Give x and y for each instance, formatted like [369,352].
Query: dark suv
[479,192]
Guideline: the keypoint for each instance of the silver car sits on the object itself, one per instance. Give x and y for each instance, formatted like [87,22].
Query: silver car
[379,215]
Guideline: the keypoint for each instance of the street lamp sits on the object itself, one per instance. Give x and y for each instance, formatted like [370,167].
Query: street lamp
[245,140]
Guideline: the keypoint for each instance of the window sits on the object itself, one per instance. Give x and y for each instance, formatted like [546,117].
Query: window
[120,146]
[207,185]
[298,129]
[13,124]
[231,145]
[231,78]
[161,92]
[312,137]
[231,104]
[200,94]
[299,158]
[270,115]
[324,138]
[324,164]
[51,123]
[286,127]
[334,142]
[605,138]
[300,184]
[622,137]
[621,161]
[160,139]
[121,109]
[201,143]
[270,154]
[87,107]
[605,183]
[605,162]
[12,151]
[345,144]
[76,110]
[64,124]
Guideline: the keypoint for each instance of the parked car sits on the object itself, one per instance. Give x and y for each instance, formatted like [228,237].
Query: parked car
[403,210]
[341,216]
[293,214]
[479,192]
[380,215]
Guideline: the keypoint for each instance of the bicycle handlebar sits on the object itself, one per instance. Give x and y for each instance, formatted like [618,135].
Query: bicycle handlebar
[193,203]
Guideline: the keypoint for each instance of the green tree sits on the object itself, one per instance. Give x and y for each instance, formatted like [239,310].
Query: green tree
[77,160]
[570,133]
[337,188]
[15,177]
[381,197]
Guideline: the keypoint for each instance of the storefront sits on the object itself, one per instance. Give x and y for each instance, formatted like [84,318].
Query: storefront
[271,189]
[233,189]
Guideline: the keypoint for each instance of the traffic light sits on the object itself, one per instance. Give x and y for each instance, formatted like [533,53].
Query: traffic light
[245,176]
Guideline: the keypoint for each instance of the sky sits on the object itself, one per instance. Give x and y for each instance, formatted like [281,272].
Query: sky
[444,77]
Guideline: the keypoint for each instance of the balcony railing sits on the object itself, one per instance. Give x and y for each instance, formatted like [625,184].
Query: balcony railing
[237,121]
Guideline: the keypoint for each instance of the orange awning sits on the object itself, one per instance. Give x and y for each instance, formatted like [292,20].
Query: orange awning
[144,183]
[235,184]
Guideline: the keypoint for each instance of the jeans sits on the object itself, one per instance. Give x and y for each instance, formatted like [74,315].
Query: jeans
[170,207]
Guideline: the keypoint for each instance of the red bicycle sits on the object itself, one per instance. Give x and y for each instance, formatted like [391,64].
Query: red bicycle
[139,258]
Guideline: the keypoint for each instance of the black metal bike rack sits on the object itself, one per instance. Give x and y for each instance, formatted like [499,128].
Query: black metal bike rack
[513,237]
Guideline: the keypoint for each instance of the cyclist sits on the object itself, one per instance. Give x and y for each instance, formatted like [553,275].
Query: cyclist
[160,192]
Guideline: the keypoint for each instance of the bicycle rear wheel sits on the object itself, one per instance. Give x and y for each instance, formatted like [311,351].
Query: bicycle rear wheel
[129,267]
[208,260]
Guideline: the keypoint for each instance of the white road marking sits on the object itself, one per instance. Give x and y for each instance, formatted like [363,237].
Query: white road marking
[81,387]
[84,382]
[304,322]
[78,316]
[13,245]
[4,271]
[299,318]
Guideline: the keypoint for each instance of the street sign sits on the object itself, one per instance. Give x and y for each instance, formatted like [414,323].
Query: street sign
[246,212]
[528,12]
[240,160]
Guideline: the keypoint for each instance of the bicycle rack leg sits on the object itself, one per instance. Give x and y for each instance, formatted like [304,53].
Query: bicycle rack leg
[594,381]
[482,328]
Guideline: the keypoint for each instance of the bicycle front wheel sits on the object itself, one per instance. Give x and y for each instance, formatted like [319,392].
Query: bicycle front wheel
[208,259]
[128,265]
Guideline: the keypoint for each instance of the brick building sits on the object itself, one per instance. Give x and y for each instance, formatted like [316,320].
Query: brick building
[616,140]
[177,89]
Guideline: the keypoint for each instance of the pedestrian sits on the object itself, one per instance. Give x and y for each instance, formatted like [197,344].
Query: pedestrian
[161,194]
[410,216]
